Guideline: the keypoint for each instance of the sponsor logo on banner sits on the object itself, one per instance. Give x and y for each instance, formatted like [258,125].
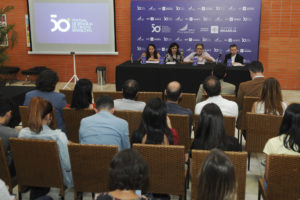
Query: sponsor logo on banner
[245,8]
[162,49]
[191,8]
[228,29]
[190,50]
[140,39]
[186,30]
[166,29]
[245,50]
[140,8]
[166,19]
[191,19]
[159,28]
[57,24]
[164,8]
[247,19]
[139,48]
[140,19]
[166,39]
[231,8]
[246,61]
[208,50]
[179,8]
[217,50]
[178,39]
[214,29]
[218,19]
[179,19]
[234,19]
[246,40]
[152,8]
[153,39]
[204,8]
[203,29]
[153,19]
[230,40]
[218,40]
[192,39]
[207,19]
[205,39]
[219,8]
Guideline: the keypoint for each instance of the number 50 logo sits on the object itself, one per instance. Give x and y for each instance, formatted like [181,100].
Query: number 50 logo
[57,24]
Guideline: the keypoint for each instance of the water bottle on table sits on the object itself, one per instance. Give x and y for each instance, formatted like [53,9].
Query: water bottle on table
[195,61]
[229,62]
[143,61]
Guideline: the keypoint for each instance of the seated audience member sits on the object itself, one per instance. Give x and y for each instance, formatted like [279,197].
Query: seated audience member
[270,101]
[7,132]
[128,172]
[173,94]
[212,87]
[202,56]
[217,178]
[219,71]
[210,132]
[250,88]
[40,117]
[234,56]
[103,127]
[4,194]
[45,85]
[130,91]
[151,54]
[82,95]
[155,126]
[173,54]
[288,141]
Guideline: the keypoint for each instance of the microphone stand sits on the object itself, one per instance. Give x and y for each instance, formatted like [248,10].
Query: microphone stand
[74,70]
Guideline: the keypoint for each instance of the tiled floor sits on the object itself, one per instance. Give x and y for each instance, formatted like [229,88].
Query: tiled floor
[256,169]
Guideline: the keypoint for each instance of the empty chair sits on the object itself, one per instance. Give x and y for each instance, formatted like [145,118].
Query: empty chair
[188,100]
[247,106]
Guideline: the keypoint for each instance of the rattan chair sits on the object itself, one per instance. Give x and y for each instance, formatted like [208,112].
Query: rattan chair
[181,124]
[72,119]
[146,96]
[283,178]
[68,94]
[260,128]
[247,106]
[238,159]
[166,168]
[113,94]
[188,100]
[90,165]
[24,113]
[230,97]
[229,123]
[132,117]
[141,96]
[4,170]
[37,163]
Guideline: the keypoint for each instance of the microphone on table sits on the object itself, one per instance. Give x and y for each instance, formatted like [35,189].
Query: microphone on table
[218,58]
[196,54]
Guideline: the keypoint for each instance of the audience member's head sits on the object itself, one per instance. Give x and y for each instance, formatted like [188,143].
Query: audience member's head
[255,68]
[173,91]
[46,81]
[82,94]
[290,126]
[219,71]
[212,86]
[173,49]
[40,113]
[199,48]
[6,108]
[233,49]
[151,50]
[217,178]
[153,123]
[210,132]
[105,102]
[130,89]
[128,171]
[271,96]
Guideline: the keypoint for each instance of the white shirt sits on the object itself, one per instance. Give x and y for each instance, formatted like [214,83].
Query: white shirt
[200,59]
[4,194]
[260,107]
[275,146]
[233,58]
[128,104]
[228,108]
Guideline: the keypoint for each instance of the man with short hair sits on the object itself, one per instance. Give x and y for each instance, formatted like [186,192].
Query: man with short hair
[130,89]
[234,56]
[219,71]
[103,127]
[212,88]
[173,94]
[251,88]
[7,132]
[202,56]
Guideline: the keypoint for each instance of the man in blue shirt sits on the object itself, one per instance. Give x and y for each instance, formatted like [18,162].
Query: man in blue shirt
[103,127]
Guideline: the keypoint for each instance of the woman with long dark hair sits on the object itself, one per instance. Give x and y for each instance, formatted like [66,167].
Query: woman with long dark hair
[210,132]
[155,126]
[174,54]
[270,101]
[151,54]
[82,94]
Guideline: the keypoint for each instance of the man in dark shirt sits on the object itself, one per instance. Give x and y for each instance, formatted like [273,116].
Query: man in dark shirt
[173,94]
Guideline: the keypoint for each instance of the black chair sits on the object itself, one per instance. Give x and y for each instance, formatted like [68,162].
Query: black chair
[35,71]
[8,74]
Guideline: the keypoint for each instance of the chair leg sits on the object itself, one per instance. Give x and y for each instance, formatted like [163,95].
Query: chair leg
[93,195]
[19,192]
[249,156]
[259,193]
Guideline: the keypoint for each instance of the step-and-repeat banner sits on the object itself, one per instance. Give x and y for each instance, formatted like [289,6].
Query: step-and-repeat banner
[217,24]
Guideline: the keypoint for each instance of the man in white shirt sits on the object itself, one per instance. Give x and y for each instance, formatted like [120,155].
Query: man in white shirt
[130,89]
[212,88]
[202,56]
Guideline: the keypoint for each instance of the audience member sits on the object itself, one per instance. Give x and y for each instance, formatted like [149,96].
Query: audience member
[250,88]
[82,95]
[219,71]
[128,172]
[234,56]
[40,117]
[217,178]
[45,85]
[270,101]
[210,132]
[7,132]
[212,88]
[155,126]
[130,91]
[202,56]
[173,54]
[173,94]
[103,127]
[151,54]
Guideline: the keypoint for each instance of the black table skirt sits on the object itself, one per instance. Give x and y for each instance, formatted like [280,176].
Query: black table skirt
[155,77]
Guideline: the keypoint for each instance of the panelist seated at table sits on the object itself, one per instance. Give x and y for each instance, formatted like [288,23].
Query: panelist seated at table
[236,58]
[173,54]
[151,54]
[202,56]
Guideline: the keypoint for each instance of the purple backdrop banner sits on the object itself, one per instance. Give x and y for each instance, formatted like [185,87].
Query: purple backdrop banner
[217,24]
